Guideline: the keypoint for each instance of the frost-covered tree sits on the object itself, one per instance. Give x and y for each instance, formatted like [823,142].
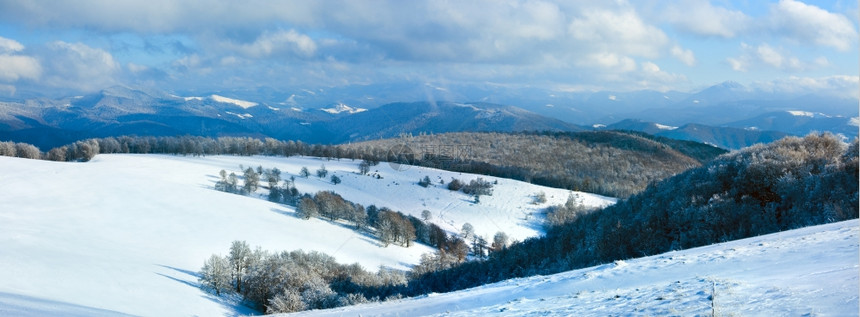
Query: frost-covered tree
[252,181]
[322,172]
[215,275]
[426,215]
[335,179]
[287,302]
[273,176]
[307,208]
[500,241]
[467,231]
[232,183]
[363,168]
[240,260]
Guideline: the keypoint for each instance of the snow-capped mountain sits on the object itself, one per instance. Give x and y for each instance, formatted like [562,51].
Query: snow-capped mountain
[799,122]
[342,108]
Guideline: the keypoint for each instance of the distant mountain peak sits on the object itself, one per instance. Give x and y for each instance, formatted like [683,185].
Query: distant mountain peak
[730,84]
[241,103]
[342,108]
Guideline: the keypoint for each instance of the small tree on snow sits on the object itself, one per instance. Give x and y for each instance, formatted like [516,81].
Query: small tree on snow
[215,275]
[252,181]
[335,180]
[426,215]
[467,231]
[363,167]
[424,182]
[540,198]
[322,172]
[304,172]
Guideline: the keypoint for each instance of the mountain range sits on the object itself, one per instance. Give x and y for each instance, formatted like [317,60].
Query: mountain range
[727,115]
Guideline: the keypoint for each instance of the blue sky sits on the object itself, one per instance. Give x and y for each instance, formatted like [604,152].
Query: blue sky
[215,45]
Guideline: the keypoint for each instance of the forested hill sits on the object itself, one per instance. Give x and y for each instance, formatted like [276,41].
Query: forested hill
[614,163]
[791,183]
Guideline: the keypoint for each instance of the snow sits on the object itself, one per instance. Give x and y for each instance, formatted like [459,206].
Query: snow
[240,115]
[801,113]
[811,271]
[341,108]
[855,121]
[125,234]
[665,127]
[241,103]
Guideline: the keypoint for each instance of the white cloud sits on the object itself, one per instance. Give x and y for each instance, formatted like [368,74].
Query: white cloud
[9,46]
[278,43]
[766,56]
[15,66]
[621,30]
[78,66]
[737,64]
[136,68]
[769,56]
[684,55]
[611,62]
[652,77]
[701,17]
[839,86]
[811,24]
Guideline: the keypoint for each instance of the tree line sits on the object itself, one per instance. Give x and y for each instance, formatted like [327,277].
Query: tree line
[613,163]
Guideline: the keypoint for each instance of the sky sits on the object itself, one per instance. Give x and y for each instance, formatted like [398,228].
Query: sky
[83,46]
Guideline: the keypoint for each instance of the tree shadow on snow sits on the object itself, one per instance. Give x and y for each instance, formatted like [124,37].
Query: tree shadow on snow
[361,234]
[232,302]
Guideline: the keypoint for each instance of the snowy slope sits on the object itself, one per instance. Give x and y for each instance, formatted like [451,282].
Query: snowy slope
[125,234]
[806,272]
[509,209]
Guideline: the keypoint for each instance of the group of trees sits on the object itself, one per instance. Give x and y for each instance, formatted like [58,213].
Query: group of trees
[563,214]
[389,226]
[331,206]
[78,151]
[475,187]
[280,282]
[22,150]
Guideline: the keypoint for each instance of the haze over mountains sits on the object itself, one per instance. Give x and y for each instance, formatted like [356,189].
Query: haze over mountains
[728,115]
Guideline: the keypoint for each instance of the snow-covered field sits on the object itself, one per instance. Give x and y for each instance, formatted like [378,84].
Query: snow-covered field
[806,272]
[125,234]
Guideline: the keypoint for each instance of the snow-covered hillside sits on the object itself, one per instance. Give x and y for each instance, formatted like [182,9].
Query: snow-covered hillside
[806,272]
[125,234]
